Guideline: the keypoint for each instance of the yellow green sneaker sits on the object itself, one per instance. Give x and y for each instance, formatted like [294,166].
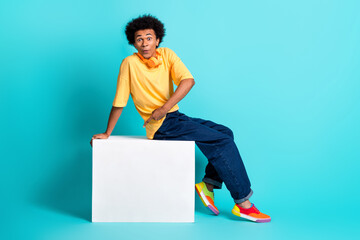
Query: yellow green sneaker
[206,197]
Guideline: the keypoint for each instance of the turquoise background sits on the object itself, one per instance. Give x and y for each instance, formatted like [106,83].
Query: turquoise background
[283,75]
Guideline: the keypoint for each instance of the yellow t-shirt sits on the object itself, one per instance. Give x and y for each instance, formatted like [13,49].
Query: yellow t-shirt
[150,88]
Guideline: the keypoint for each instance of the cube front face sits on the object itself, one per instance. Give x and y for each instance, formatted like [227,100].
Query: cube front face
[141,180]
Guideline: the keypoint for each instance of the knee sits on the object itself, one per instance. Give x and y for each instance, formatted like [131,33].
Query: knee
[228,139]
[229,132]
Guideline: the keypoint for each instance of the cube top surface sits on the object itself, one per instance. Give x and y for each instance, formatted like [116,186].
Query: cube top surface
[135,138]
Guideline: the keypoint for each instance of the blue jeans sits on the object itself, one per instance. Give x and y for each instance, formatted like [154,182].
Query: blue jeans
[216,142]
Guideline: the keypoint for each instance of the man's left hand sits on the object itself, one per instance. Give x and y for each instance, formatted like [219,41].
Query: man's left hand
[157,114]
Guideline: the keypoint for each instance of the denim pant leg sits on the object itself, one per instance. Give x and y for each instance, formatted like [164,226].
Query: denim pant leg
[211,176]
[219,148]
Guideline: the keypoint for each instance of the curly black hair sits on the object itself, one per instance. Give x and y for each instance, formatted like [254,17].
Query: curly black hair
[144,22]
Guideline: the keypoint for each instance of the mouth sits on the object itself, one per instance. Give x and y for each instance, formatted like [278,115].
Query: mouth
[146,51]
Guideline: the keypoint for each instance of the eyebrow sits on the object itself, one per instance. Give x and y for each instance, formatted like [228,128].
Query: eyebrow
[145,35]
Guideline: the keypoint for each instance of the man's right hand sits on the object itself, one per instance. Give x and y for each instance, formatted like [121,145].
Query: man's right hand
[99,136]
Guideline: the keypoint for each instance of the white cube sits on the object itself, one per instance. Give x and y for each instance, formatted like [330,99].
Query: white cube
[141,180]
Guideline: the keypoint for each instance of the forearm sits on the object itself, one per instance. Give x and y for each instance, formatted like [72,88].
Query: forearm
[113,118]
[181,91]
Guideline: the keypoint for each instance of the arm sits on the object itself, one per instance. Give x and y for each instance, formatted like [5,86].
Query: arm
[180,92]
[113,118]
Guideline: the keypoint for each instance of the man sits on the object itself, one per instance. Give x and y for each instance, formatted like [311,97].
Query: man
[148,76]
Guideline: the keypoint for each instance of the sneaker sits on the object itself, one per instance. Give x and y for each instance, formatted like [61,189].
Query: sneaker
[206,197]
[252,213]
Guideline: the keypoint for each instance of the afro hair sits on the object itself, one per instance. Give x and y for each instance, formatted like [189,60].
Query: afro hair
[144,22]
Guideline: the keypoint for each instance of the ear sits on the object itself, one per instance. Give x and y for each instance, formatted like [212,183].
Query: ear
[157,41]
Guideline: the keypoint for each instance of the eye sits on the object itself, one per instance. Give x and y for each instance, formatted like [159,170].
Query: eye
[138,40]
[149,38]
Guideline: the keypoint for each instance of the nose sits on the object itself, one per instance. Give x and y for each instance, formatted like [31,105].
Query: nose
[144,43]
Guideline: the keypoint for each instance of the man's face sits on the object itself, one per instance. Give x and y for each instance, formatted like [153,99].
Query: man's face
[146,42]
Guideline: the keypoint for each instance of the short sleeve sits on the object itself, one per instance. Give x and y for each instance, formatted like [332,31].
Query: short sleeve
[178,68]
[123,85]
